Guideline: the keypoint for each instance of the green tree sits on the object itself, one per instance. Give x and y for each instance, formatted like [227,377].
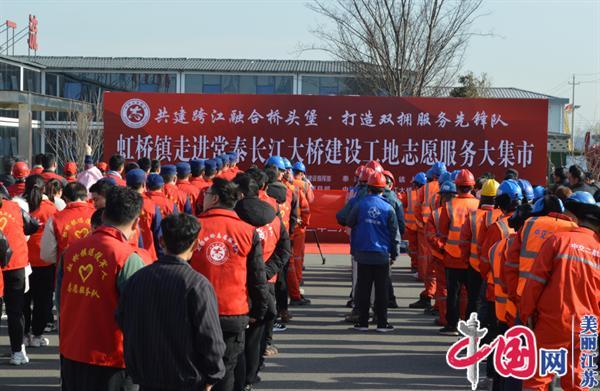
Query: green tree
[471,86]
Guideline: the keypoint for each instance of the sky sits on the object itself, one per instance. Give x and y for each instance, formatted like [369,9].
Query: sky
[535,45]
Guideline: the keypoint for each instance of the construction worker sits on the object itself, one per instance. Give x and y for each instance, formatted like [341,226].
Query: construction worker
[375,247]
[562,291]
[478,222]
[150,215]
[432,234]
[169,174]
[453,216]
[539,192]
[91,275]
[184,172]
[15,224]
[527,190]
[155,192]
[116,165]
[547,218]
[229,255]
[410,219]
[67,226]
[306,196]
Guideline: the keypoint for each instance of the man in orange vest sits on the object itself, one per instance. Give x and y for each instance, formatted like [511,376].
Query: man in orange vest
[410,218]
[155,192]
[150,215]
[306,196]
[183,183]
[453,216]
[560,298]
[68,225]
[229,255]
[92,273]
[116,165]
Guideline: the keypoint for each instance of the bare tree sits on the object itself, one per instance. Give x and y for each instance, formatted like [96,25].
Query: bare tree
[397,47]
[81,129]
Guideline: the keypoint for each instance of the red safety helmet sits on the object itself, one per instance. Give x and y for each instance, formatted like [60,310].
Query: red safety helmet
[375,166]
[389,175]
[359,170]
[20,170]
[465,178]
[71,168]
[377,179]
[365,174]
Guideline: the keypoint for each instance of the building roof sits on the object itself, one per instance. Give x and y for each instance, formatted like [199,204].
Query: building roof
[188,64]
[495,92]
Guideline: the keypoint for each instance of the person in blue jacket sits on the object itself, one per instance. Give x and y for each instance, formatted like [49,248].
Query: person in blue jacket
[374,245]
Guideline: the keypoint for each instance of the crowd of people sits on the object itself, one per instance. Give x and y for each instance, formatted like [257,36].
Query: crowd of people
[512,253]
[161,276]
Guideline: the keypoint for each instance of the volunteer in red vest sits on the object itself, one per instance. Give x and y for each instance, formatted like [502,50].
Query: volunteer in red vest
[410,218]
[15,224]
[116,165]
[197,170]
[38,164]
[453,216]
[150,216]
[432,234]
[99,190]
[41,280]
[50,167]
[20,171]
[229,255]
[234,159]
[183,183]
[68,225]
[155,192]
[169,175]
[562,291]
[91,275]
[70,171]
[54,191]
[210,170]
[276,253]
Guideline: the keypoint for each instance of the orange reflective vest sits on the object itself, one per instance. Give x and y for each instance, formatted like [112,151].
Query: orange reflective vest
[497,256]
[458,211]
[484,216]
[429,192]
[436,224]
[409,214]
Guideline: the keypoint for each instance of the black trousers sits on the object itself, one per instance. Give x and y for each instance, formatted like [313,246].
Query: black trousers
[234,346]
[41,288]
[455,279]
[14,298]
[474,281]
[268,335]
[246,371]
[367,276]
[77,376]
[281,289]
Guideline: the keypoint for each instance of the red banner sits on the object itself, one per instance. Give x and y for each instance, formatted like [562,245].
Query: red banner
[323,209]
[333,134]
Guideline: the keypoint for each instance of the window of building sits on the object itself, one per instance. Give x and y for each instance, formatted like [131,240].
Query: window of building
[327,85]
[32,80]
[10,77]
[238,84]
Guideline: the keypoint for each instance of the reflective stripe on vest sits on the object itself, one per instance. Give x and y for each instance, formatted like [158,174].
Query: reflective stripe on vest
[456,212]
[436,224]
[501,297]
[409,216]
[425,207]
[474,253]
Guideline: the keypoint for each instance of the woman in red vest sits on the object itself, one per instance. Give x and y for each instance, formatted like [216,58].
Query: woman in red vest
[15,224]
[41,281]
[229,255]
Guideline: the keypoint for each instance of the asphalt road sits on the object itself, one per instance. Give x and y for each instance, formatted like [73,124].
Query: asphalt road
[318,351]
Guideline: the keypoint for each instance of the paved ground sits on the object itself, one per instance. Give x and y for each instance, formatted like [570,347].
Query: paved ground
[319,351]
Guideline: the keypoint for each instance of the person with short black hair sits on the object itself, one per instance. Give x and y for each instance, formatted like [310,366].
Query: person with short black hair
[559,176]
[145,164]
[155,166]
[191,358]
[50,166]
[38,167]
[116,164]
[99,190]
[235,268]
[578,182]
[6,178]
[91,276]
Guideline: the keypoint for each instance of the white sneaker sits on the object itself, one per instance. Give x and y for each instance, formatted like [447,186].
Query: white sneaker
[26,339]
[19,358]
[37,342]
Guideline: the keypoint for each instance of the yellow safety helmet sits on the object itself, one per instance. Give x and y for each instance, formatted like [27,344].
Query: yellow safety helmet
[489,188]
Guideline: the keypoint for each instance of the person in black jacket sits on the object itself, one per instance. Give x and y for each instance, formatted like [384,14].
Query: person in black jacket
[260,214]
[169,317]
[578,182]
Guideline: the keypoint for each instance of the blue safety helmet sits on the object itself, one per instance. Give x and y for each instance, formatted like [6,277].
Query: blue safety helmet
[438,168]
[420,178]
[540,204]
[582,197]
[511,188]
[538,192]
[288,164]
[446,176]
[429,174]
[448,187]
[276,161]
[299,166]
[526,188]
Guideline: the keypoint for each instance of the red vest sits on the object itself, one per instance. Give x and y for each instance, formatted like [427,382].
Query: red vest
[285,209]
[224,243]
[89,297]
[198,181]
[147,215]
[200,200]
[37,170]
[46,210]
[47,175]
[71,224]
[118,180]
[16,189]
[175,195]
[191,191]
[262,195]
[165,205]
[269,236]
[11,225]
